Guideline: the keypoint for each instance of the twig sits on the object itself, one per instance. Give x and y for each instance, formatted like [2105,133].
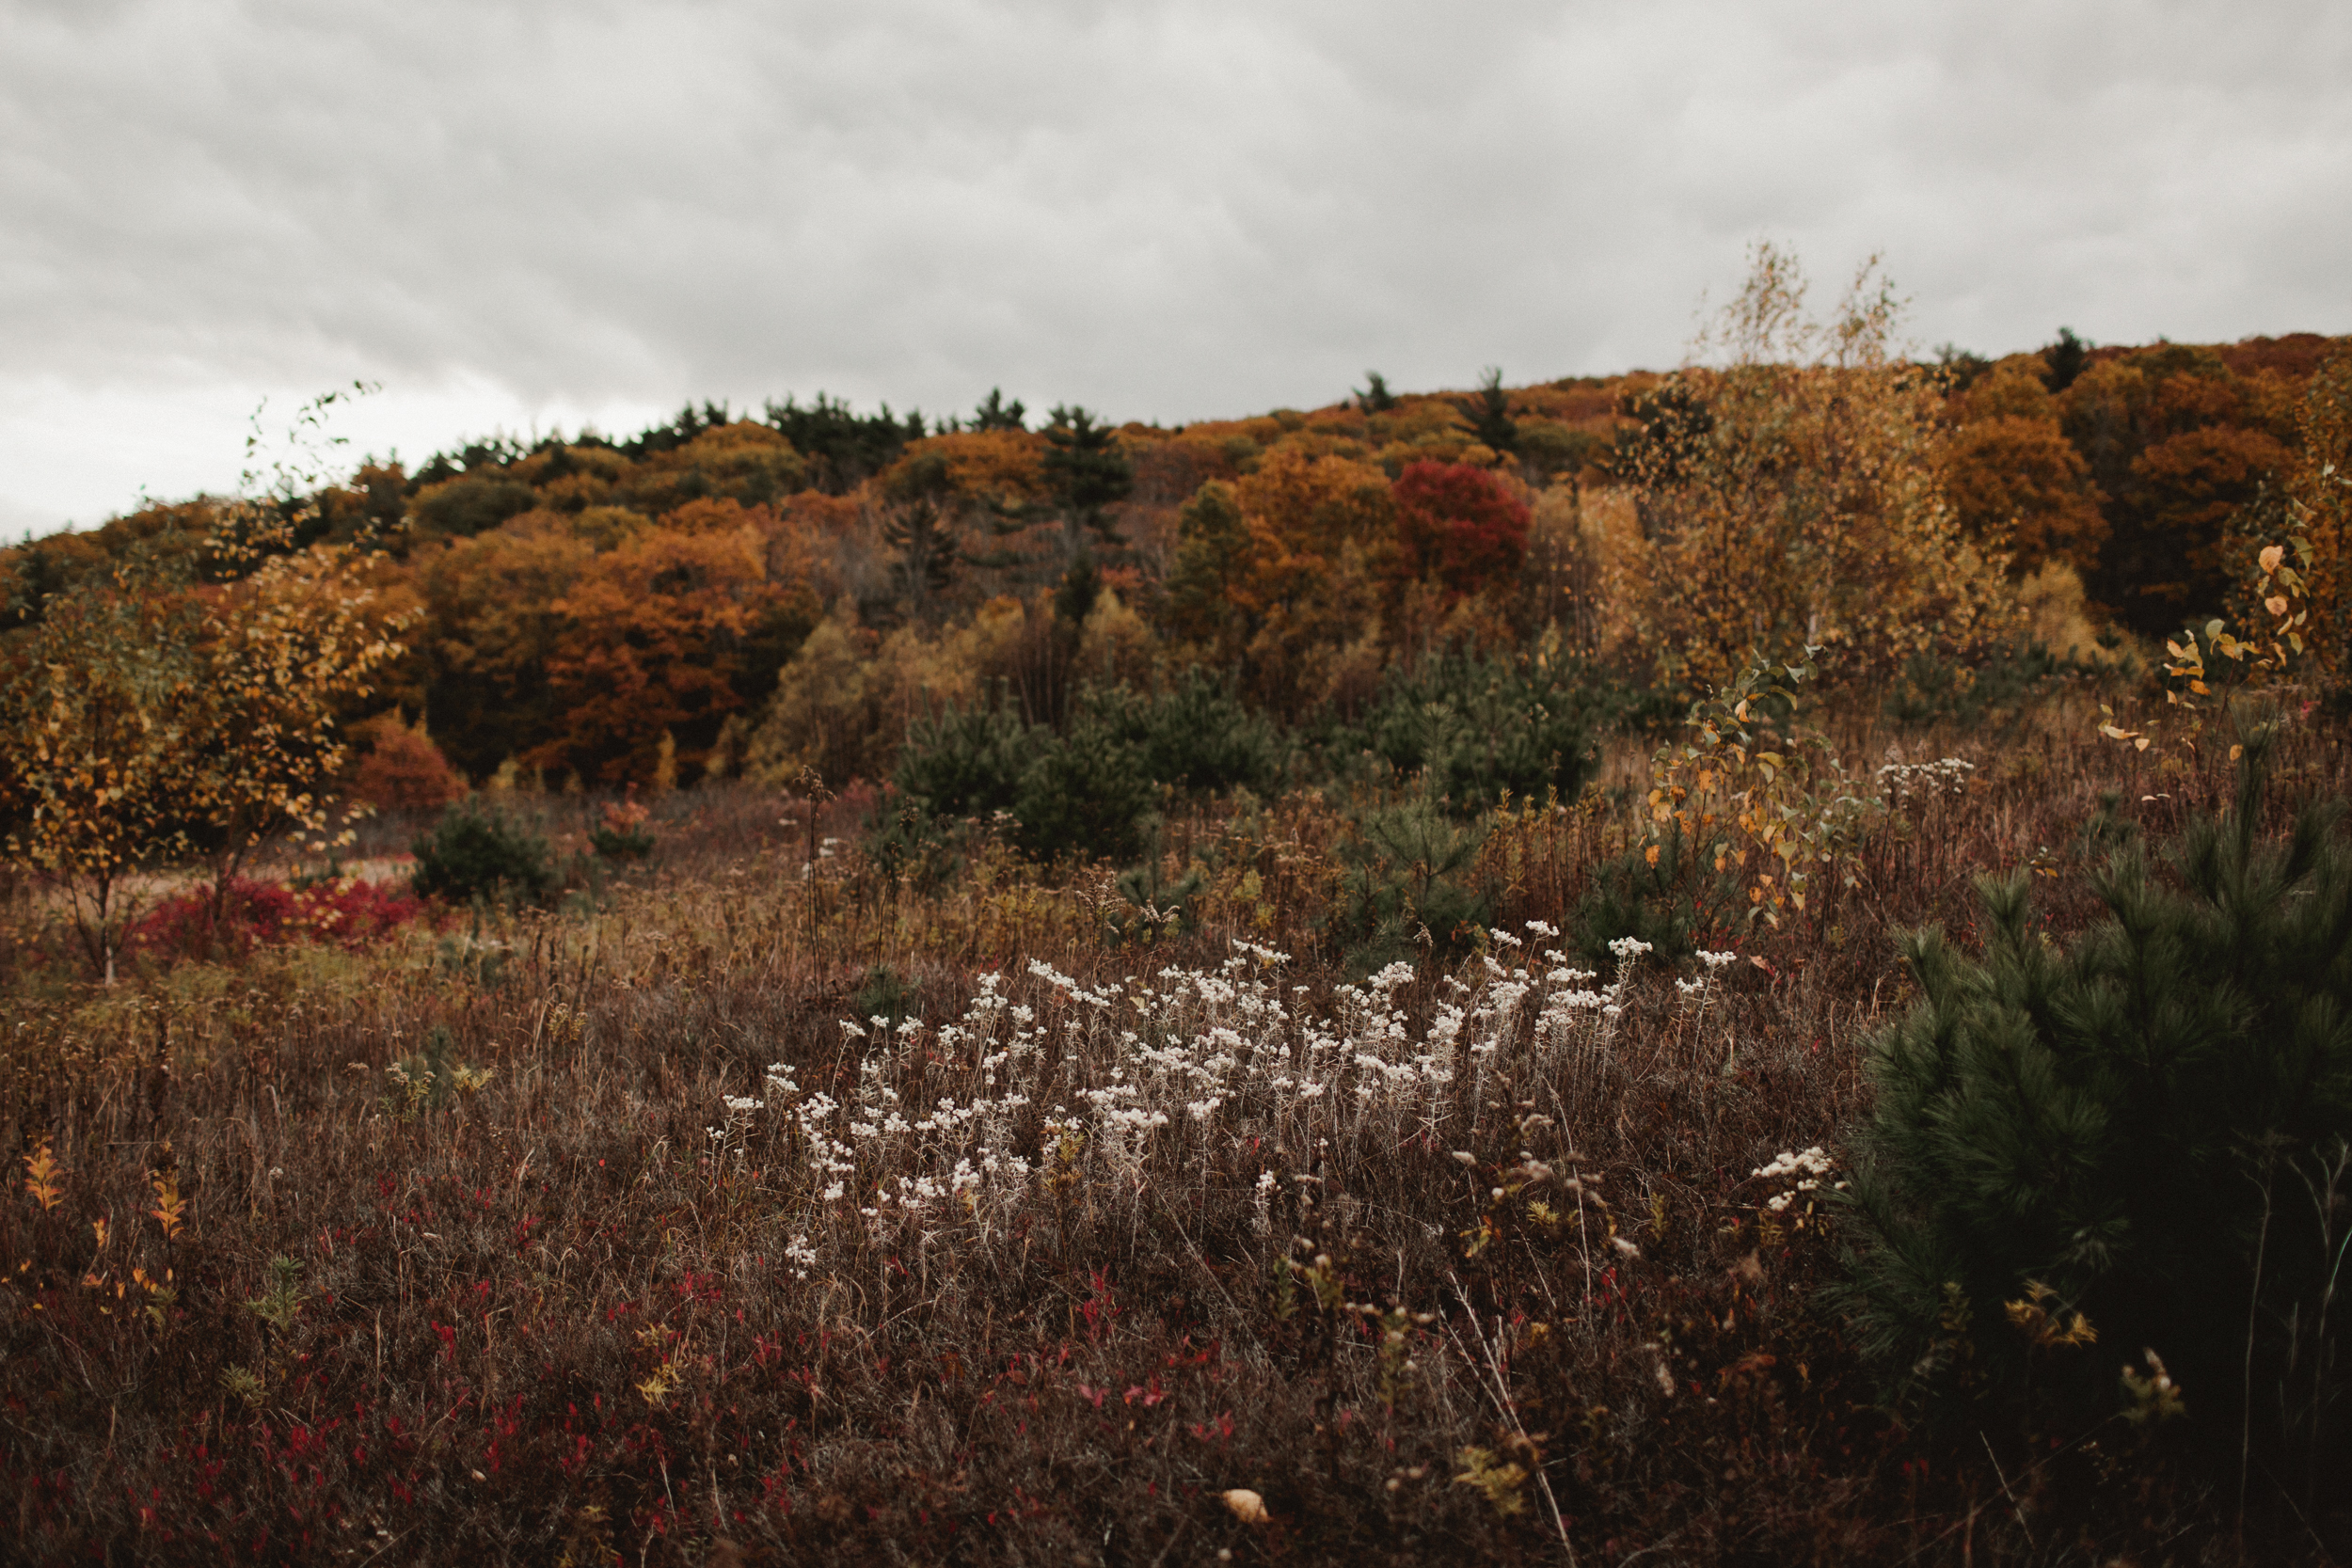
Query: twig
[2013,1505]
[1173,1536]
[1503,1399]
[1230,1305]
[1657,1545]
[2253,1310]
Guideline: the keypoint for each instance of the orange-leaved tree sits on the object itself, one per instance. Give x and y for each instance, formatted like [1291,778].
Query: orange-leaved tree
[1321,531]
[2014,481]
[665,635]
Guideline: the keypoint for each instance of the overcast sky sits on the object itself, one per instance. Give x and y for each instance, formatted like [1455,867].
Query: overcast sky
[525,215]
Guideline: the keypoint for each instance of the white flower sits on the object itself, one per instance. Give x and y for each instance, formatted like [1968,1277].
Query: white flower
[1629,947]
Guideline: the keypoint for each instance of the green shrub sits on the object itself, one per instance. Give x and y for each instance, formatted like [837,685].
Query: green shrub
[1471,728]
[965,762]
[1154,904]
[1933,689]
[1083,793]
[1404,887]
[626,833]
[621,844]
[1196,736]
[2150,1127]
[1672,903]
[472,853]
[885,993]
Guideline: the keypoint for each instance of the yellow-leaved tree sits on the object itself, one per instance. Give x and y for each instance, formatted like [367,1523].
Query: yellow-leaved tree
[178,703]
[1790,495]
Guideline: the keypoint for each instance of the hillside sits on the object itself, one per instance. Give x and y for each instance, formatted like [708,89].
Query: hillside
[572,604]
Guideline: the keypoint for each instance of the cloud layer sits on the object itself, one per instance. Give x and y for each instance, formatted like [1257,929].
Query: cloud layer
[532,213]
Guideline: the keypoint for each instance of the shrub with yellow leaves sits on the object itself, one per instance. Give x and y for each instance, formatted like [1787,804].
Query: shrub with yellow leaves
[150,715]
[2255,675]
[1761,797]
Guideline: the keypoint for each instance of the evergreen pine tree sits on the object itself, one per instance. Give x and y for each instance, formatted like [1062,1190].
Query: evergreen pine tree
[919,525]
[1490,413]
[1088,474]
[2064,360]
[2150,1127]
[995,413]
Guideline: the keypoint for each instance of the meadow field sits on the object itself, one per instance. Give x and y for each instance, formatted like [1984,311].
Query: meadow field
[768,1199]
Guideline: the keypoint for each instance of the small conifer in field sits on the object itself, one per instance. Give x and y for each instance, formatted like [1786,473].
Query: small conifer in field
[2147,1127]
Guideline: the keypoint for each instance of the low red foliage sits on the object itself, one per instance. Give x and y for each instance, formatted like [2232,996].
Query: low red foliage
[349,912]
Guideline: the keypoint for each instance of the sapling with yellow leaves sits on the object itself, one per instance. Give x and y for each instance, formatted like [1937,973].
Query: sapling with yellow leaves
[1762,799]
[182,703]
[2217,674]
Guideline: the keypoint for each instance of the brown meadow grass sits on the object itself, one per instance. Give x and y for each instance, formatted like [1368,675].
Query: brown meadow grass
[1539,1313]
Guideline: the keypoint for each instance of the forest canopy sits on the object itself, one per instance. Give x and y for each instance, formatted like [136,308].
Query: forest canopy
[789,590]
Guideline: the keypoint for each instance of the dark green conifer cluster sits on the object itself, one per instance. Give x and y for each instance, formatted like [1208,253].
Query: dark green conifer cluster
[2148,1127]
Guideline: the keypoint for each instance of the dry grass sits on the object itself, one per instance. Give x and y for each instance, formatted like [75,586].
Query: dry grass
[1512,1295]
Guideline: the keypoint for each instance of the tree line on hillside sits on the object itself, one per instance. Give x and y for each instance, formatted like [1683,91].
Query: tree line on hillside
[789,592]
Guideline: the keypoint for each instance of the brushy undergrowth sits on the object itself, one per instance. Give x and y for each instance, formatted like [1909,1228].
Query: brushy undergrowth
[622,1233]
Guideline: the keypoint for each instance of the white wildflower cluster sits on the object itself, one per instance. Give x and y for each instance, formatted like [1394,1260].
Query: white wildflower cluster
[1695,991]
[1904,782]
[1809,1167]
[730,1135]
[1046,1084]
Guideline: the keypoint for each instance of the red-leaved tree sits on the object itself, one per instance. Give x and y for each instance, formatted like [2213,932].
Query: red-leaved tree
[1460,527]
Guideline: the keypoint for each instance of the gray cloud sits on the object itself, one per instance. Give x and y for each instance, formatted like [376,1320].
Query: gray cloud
[547,212]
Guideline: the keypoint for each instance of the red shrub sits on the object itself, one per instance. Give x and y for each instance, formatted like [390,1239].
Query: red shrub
[1462,526]
[350,913]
